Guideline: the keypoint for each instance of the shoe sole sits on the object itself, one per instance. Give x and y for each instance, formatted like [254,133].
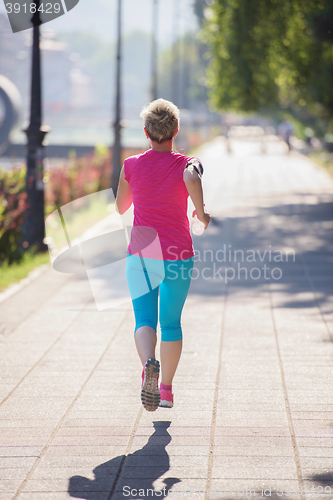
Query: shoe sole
[150,394]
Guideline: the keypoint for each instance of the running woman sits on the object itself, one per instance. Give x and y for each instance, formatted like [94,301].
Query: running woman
[158,182]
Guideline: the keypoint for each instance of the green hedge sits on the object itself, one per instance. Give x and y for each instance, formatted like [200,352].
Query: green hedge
[12,207]
[75,177]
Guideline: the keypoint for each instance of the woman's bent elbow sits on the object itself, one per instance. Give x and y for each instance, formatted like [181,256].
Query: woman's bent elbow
[120,210]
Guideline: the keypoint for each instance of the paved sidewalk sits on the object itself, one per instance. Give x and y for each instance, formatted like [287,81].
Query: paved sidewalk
[253,393]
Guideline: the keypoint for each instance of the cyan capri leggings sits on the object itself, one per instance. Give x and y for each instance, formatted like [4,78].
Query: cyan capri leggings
[149,278]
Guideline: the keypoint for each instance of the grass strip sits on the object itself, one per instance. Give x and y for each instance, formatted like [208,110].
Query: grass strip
[11,274]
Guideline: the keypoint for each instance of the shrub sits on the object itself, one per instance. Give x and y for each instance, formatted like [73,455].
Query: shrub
[12,207]
[76,177]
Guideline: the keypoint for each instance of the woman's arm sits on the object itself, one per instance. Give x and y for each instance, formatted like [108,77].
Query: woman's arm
[194,187]
[124,194]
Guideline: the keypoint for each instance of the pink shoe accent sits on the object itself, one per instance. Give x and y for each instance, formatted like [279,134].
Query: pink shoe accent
[166,398]
[166,387]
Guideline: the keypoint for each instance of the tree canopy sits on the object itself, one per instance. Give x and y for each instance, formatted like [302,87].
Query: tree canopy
[269,53]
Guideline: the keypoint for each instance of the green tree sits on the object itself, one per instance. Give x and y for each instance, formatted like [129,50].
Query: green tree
[269,53]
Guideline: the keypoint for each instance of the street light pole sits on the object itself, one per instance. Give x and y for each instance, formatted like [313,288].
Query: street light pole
[117,125]
[154,50]
[34,225]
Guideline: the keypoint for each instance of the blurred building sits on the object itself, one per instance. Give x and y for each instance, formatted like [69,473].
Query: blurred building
[14,63]
[67,89]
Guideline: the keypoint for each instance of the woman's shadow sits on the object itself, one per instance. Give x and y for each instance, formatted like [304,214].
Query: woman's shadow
[129,476]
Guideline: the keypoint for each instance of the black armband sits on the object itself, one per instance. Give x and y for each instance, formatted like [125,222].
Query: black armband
[196,165]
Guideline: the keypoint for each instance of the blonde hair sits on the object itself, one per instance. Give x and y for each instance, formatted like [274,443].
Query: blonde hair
[161,119]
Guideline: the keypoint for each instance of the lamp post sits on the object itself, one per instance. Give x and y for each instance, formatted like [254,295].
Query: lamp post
[154,50]
[117,125]
[34,225]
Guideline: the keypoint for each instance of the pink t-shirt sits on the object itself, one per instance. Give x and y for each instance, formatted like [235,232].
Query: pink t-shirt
[160,200]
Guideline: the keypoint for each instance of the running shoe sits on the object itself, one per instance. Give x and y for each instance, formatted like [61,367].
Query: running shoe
[166,398]
[150,395]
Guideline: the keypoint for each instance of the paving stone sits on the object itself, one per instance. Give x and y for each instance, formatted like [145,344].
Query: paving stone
[255,461]
[312,415]
[87,441]
[107,430]
[313,451]
[9,485]
[315,441]
[14,473]
[71,422]
[317,463]
[65,473]
[254,450]
[85,460]
[187,471]
[20,451]
[265,473]
[28,426]
[73,485]
[18,462]
[251,420]
[174,450]
[257,432]
[57,495]
[63,450]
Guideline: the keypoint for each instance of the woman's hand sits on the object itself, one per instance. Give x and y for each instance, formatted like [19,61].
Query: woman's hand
[204,217]
[193,184]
